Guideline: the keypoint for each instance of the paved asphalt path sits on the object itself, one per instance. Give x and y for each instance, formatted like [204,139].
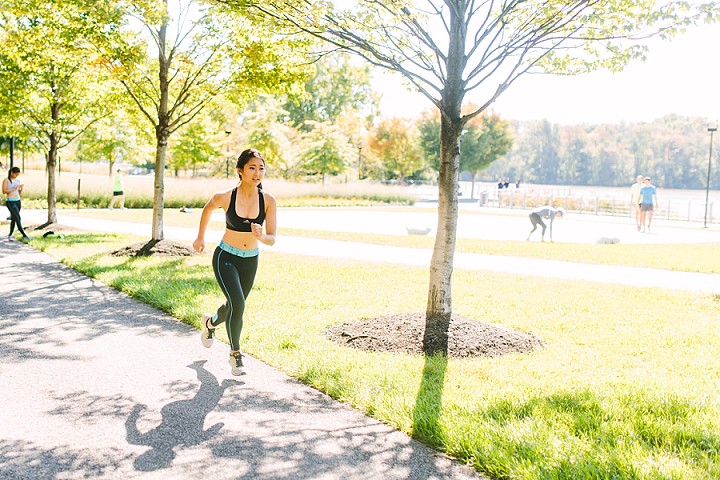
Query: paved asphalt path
[97,385]
[473,222]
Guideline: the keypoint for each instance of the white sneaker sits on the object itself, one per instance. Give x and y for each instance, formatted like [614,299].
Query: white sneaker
[236,365]
[207,334]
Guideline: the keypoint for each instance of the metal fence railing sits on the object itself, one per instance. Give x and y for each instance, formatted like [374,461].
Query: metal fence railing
[686,209]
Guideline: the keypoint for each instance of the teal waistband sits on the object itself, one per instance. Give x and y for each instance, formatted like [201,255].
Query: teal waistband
[237,251]
[13,199]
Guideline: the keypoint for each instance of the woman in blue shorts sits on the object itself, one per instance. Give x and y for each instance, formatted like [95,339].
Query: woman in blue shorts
[235,260]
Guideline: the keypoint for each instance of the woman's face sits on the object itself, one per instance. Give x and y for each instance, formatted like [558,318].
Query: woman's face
[14,175]
[253,171]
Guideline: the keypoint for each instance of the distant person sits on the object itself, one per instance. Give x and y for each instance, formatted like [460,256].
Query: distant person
[517,183]
[507,183]
[536,218]
[235,260]
[12,188]
[648,201]
[635,198]
[118,191]
[500,184]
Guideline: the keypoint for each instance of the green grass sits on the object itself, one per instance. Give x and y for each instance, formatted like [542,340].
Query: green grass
[703,258]
[626,386]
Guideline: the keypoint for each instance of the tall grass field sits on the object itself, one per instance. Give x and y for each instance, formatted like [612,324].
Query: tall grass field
[95,191]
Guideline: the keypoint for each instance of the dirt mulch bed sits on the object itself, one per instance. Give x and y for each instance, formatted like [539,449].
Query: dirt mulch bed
[405,333]
[50,227]
[165,248]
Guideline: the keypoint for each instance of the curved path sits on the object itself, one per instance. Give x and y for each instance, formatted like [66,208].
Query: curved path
[98,385]
[473,223]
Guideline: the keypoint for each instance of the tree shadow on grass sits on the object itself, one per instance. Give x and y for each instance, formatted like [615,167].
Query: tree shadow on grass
[428,402]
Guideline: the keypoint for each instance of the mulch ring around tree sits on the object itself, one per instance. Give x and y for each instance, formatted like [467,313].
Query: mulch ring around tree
[163,248]
[405,333]
[49,230]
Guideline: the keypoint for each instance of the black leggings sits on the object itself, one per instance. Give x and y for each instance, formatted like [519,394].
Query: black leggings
[14,209]
[235,275]
[536,220]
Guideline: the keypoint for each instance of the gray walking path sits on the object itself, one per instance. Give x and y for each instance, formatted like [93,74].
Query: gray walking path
[97,385]
[504,225]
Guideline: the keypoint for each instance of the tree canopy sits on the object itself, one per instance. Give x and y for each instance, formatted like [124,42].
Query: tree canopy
[50,76]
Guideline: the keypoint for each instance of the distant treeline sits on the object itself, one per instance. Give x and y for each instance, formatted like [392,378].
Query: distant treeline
[673,150]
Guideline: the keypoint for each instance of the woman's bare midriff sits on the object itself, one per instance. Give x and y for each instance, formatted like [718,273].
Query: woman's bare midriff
[241,240]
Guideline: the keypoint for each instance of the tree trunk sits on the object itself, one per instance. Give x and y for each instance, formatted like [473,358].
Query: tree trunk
[159,185]
[439,305]
[441,266]
[162,133]
[51,163]
[472,187]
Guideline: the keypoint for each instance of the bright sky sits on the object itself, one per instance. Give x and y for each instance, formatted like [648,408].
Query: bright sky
[680,76]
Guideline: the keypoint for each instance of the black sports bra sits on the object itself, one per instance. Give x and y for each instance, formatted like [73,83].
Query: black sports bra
[239,224]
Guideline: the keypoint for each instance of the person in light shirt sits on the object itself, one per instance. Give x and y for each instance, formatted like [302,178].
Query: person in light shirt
[12,188]
[635,198]
[548,212]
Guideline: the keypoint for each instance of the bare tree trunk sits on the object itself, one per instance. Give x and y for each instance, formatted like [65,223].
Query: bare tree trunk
[159,186]
[162,132]
[439,306]
[51,163]
[472,187]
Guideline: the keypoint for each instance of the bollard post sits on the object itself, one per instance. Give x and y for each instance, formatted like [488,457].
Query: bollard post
[78,196]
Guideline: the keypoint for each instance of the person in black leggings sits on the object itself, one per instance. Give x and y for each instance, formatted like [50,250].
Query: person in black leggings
[536,218]
[12,188]
[235,260]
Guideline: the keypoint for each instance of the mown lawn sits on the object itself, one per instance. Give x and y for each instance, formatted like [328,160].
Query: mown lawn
[625,387]
[703,258]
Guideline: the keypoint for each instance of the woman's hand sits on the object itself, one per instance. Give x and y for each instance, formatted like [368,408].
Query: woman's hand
[257,230]
[199,245]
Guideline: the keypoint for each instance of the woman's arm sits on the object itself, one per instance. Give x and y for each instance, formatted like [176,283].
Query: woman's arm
[212,204]
[268,238]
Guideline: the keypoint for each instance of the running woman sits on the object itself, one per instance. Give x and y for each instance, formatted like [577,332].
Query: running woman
[235,260]
[12,188]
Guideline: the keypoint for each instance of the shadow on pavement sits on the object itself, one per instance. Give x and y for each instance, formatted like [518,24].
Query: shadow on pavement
[182,422]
